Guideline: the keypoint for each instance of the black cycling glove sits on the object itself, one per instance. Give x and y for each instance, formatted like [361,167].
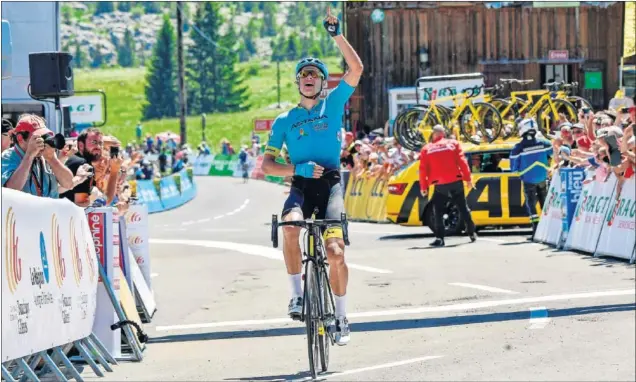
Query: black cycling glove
[333,29]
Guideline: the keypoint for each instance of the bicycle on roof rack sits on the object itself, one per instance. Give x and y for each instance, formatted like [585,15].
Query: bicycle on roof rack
[318,301]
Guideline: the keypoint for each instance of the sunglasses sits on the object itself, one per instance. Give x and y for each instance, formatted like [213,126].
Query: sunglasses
[314,74]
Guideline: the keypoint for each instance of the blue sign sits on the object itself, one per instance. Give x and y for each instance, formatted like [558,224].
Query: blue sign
[571,189]
[45,259]
[147,194]
[188,189]
[170,195]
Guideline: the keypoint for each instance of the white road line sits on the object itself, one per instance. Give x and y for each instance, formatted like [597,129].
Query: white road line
[251,249]
[371,368]
[153,275]
[416,310]
[237,210]
[538,318]
[491,240]
[188,222]
[218,217]
[484,287]
[203,220]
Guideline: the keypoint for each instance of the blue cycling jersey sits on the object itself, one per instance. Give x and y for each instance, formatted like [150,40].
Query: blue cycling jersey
[312,135]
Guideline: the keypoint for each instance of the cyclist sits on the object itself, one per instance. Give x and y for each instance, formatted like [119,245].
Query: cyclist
[243,162]
[531,157]
[312,134]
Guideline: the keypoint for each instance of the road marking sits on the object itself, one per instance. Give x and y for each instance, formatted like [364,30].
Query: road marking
[417,310]
[492,240]
[376,367]
[237,210]
[188,222]
[218,217]
[538,318]
[251,249]
[153,275]
[484,287]
[203,220]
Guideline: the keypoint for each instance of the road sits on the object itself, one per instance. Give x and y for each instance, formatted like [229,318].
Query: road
[500,308]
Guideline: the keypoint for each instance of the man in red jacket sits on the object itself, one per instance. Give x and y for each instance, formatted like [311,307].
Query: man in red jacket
[443,164]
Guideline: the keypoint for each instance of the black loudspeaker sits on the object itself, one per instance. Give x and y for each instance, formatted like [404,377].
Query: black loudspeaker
[51,74]
[66,120]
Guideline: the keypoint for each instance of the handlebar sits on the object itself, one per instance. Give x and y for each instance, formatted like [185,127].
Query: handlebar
[562,84]
[310,223]
[516,81]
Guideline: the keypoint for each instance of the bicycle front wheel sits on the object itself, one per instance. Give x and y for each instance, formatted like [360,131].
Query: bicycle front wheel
[548,121]
[328,310]
[487,122]
[311,315]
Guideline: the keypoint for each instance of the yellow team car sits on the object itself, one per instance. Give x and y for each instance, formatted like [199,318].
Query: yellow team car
[496,200]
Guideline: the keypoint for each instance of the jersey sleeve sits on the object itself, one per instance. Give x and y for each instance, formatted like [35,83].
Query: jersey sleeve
[276,138]
[340,95]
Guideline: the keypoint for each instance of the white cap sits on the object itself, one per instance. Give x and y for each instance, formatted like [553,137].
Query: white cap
[527,125]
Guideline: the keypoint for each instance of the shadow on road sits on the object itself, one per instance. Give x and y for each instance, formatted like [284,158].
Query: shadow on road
[400,324]
[283,377]
[493,233]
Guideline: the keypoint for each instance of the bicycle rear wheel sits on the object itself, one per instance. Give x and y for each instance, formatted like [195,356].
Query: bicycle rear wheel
[548,122]
[311,315]
[328,310]
[488,123]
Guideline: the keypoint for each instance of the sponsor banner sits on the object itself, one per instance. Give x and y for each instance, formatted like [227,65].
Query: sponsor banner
[170,196]
[188,189]
[618,237]
[595,202]
[49,274]
[147,194]
[223,165]
[138,234]
[257,172]
[263,125]
[101,228]
[571,189]
[276,179]
[202,164]
[551,220]
[85,109]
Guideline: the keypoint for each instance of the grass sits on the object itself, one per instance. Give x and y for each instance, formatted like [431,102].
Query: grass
[124,88]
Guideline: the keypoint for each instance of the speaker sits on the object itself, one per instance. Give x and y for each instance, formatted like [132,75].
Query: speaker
[66,120]
[51,74]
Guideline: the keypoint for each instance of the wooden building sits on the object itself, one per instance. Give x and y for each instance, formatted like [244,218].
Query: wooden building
[501,40]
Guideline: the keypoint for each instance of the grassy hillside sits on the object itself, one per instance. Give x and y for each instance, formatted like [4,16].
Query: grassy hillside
[125,96]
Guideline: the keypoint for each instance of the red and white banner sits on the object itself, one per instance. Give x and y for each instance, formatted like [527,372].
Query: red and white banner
[618,237]
[596,200]
[551,219]
[49,274]
[263,125]
[138,235]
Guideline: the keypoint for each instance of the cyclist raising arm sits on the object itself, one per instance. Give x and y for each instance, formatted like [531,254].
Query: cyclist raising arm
[312,133]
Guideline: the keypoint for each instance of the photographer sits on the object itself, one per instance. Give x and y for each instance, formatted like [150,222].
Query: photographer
[31,165]
[7,132]
[90,150]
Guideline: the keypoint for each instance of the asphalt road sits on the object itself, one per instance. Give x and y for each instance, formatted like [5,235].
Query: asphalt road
[497,309]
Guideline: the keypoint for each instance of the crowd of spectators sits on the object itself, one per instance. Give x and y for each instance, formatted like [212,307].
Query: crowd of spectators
[602,143]
[90,169]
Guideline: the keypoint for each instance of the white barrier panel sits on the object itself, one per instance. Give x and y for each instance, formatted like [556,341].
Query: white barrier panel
[137,230]
[595,201]
[49,274]
[238,170]
[551,223]
[101,228]
[618,236]
[202,164]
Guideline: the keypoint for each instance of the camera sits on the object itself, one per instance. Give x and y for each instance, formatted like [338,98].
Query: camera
[114,151]
[586,110]
[57,141]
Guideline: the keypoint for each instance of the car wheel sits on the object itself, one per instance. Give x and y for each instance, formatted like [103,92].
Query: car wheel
[453,223]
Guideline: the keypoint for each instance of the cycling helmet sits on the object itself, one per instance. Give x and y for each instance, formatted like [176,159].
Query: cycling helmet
[526,126]
[310,61]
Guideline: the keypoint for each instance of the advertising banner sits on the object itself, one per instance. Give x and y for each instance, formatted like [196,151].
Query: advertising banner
[618,237]
[571,188]
[223,165]
[170,196]
[202,164]
[551,219]
[49,274]
[188,188]
[147,194]
[138,234]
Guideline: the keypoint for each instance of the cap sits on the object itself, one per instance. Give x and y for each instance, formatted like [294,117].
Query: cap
[358,142]
[30,124]
[565,126]
[439,129]
[578,126]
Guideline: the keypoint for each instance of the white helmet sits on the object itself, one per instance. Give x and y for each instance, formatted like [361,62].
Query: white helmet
[527,125]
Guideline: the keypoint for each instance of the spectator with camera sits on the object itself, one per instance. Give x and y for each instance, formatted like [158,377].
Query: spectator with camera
[90,150]
[7,132]
[31,165]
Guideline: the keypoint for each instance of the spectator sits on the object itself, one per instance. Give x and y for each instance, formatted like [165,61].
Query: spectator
[31,165]
[7,132]
[90,146]
[149,144]
[139,131]
[163,161]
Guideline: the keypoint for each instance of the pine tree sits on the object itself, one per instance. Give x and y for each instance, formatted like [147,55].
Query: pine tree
[201,66]
[270,26]
[161,84]
[233,92]
[78,57]
[126,51]
[104,7]
[279,48]
[123,6]
[98,58]
[294,47]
